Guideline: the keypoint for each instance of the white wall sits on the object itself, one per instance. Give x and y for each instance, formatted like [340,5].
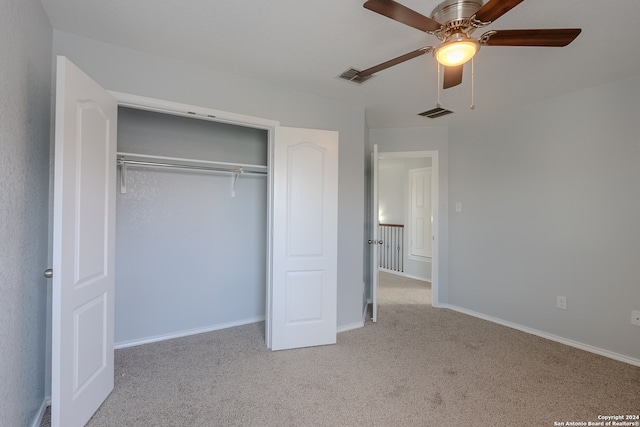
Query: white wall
[433,138]
[551,201]
[130,71]
[25,78]
[189,256]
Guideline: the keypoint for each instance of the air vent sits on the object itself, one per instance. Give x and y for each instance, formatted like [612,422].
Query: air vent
[436,112]
[352,75]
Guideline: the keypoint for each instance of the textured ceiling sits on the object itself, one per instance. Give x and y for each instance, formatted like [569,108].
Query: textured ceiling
[305,45]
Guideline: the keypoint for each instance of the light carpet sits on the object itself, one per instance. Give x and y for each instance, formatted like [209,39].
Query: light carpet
[417,366]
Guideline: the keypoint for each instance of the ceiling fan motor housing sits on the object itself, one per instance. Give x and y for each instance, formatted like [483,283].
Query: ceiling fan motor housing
[454,16]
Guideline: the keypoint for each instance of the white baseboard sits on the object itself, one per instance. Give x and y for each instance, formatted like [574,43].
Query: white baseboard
[364,311]
[350,327]
[556,338]
[386,270]
[424,279]
[216,327]
[38,418]
[403,274]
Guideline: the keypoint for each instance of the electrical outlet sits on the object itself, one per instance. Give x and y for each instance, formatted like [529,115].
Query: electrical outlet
[635,317]
[561,302]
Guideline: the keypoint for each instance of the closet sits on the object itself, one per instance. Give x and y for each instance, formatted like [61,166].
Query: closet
[191,226]
[195,249]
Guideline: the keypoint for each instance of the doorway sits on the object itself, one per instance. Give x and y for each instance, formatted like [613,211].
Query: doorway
[256,128]
[191,234]
[405,216]
[406,161]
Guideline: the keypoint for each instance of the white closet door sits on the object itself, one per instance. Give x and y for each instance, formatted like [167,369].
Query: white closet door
[83,247]
[305,228]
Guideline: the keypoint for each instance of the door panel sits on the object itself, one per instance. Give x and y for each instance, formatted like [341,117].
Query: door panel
[83,246]
[420,212]
[375,226]
[305,206]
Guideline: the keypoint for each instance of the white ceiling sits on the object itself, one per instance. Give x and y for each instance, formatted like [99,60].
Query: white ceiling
[305,45]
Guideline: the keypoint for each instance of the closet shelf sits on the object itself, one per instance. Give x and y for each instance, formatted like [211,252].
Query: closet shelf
[148,160]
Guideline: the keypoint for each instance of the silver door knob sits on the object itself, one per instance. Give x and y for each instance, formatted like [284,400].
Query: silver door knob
[48,273]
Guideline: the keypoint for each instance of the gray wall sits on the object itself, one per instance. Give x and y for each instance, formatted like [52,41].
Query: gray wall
[130,71]
[433,138]
[25,78]
[189,256]
[551,201]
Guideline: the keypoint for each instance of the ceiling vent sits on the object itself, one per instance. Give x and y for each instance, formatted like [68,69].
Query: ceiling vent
[352,75]
[436,112]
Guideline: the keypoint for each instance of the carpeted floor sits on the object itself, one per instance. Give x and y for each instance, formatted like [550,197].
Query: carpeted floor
[417,366]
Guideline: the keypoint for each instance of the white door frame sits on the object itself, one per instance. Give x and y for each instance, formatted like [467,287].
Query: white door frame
[203,113]
[435,302]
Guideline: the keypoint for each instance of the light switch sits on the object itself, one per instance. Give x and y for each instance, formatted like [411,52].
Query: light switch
[458,206]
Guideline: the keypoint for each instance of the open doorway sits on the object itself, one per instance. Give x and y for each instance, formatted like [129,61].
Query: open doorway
[184,218]
[404,249]
[405,216]
[405,227]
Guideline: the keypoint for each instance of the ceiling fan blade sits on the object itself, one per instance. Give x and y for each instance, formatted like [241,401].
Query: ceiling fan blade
[494,9]
[400,13]
[552,37]
[452,76]
[394,61]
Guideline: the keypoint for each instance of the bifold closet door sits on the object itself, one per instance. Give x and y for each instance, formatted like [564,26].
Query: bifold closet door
[305,224]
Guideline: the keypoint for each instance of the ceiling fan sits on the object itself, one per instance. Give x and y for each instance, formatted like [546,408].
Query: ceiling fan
[453,23]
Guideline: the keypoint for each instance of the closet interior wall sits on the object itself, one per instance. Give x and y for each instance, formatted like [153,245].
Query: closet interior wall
[189,256]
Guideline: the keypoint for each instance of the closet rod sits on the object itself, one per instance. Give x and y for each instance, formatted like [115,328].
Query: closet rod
[235,170]
[148,160]
[198,163]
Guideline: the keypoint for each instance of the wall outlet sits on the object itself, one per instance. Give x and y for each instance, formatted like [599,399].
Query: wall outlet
[635,317]
[561,302]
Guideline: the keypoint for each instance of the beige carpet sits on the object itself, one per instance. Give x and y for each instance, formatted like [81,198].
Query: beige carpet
[394,289]
[418,366]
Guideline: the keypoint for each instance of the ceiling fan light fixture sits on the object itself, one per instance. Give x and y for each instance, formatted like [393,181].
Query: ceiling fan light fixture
[457,50]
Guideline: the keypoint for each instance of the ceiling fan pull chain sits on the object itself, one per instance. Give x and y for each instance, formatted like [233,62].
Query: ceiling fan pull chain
[438,84]
[473,87]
